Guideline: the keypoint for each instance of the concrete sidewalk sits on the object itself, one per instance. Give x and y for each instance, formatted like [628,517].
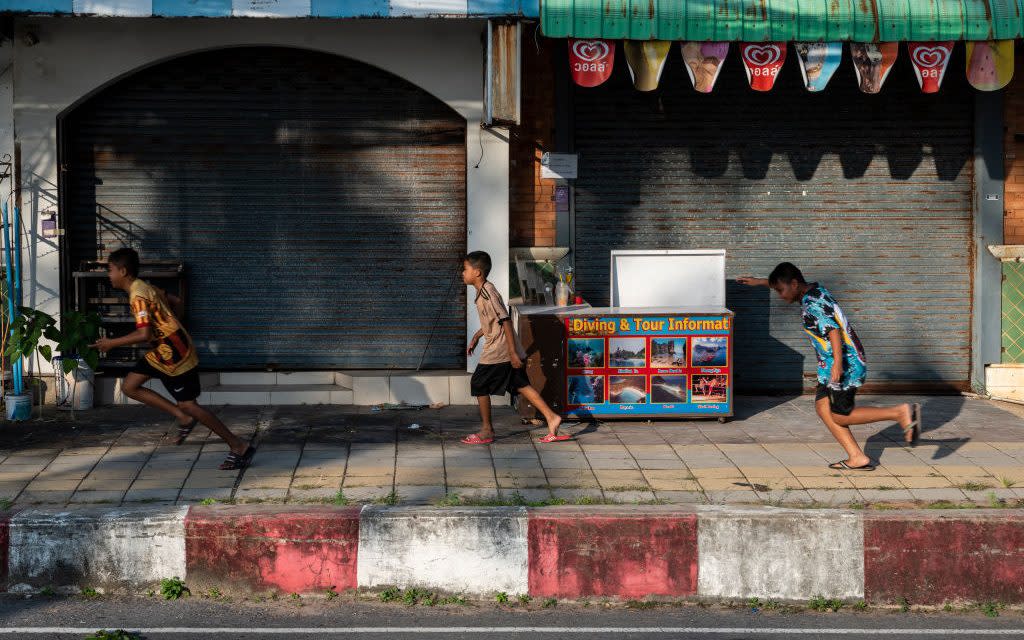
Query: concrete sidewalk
[774,452]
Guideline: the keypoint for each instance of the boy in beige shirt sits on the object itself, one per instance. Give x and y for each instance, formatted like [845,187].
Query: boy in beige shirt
[501,368]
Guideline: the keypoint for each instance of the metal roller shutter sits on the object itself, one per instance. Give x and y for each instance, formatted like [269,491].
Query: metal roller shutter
[872,195]
[318,202]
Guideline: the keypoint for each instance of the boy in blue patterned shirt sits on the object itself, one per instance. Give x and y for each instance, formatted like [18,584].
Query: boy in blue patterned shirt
[838,377]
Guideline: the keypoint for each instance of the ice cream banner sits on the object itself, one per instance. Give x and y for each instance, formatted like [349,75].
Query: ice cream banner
[930,60]
[818,61]
[872,62]
[990,64]
[763,61]
[591,61]
[646,60]
[704,62]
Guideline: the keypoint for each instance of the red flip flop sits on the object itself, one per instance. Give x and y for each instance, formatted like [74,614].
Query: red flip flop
[475,439]
[561,437]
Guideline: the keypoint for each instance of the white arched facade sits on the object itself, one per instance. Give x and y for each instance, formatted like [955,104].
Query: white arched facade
[76,57]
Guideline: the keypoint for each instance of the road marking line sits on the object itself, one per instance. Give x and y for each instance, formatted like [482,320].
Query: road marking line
[492,630]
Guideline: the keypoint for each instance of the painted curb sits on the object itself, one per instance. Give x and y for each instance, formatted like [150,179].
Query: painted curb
[931,558]
[108,549]
[478,551]
[564,552]
[784,554]
[292,549]
[625,552]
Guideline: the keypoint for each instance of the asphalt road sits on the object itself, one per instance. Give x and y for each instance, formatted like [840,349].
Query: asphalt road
[60,618]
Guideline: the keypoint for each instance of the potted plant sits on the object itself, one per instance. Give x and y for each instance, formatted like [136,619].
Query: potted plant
[73,339]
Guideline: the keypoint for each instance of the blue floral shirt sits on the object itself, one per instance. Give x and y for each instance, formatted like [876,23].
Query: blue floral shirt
[821,314]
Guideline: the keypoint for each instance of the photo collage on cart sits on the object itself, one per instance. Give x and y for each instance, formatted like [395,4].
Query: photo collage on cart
[642,374]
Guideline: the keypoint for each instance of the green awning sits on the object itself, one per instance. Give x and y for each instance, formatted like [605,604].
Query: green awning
[783,20]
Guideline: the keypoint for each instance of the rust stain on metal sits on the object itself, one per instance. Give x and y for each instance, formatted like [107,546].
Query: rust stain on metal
[650,9]
[505,71]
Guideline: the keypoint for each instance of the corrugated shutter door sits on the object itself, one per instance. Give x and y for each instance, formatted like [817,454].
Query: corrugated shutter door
[871,195]
[318,202]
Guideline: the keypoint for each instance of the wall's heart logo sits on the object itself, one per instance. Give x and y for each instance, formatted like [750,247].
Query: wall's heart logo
[930,57]
[762,54]
[590,50]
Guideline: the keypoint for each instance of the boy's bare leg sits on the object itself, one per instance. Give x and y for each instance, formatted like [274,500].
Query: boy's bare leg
[901,414]
[552,418]
[855,455]
[486,428]
[132,387]
[213,423]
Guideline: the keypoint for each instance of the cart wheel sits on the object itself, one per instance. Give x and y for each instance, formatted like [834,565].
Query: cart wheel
[723,420]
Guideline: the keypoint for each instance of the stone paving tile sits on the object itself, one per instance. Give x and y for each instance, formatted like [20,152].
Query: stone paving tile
[98,497]
[261,495]
[573,496]
[949,494]
[198,495]
[746,496]
[724,484]
[422,494]
[835,497]
[893,495]
[367,494]
[152,495]
[629,497]
[680,497]
[44,497]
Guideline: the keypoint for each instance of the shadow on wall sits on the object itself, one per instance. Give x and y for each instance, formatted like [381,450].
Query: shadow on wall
[870,194]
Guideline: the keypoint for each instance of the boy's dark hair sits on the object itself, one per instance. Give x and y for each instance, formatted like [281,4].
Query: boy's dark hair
[786,272]
[127,259]
[480,260]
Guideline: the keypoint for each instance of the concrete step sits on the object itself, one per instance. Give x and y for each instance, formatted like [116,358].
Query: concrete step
[318,387]
[276,394]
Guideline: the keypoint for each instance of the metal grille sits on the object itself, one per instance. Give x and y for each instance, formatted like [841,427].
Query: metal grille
[871,195]
[319,204]
[1013,312]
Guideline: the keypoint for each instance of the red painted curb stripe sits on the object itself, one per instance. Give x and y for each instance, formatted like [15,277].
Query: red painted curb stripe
[628,554]
[931,559]
[293,549]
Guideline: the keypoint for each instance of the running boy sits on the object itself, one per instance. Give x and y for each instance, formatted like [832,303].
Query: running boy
[842,366]
[501,362]
[172,358]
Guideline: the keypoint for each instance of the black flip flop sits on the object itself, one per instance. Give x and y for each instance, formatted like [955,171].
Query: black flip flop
[184,430]
[915,424]
[842,466]
[235,462]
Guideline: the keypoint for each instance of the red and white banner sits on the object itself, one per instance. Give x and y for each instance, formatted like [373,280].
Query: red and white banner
[591,61]
[930,60]
[763,61]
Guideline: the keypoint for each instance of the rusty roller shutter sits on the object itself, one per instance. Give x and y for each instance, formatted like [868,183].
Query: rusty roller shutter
[318,202]
[869,194]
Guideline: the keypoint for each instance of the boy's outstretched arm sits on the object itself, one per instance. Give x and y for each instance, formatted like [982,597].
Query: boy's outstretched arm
[510,340]
[473,342]
[140,335]
[751,281]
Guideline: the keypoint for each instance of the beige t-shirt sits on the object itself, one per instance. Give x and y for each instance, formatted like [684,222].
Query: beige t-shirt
[494,322]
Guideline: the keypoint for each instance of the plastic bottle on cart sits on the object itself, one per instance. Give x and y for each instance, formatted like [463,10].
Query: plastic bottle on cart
[562,294]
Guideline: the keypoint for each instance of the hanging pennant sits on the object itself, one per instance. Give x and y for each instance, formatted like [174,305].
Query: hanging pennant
[646,60]
[818,61]
[990,64]
[872,62]
[763,61]
[704,62]
[930,60]
[591,61]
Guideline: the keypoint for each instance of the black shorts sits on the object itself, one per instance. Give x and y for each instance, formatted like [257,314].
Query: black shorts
[497,380]
[841,401]
[183,388]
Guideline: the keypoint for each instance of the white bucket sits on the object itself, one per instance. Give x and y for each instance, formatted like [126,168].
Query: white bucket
[19,407]
[78,388]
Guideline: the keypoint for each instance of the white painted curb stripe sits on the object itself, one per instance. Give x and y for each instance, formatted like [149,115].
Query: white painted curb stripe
[474,551]
[492,630]
[787,554]
[121,547]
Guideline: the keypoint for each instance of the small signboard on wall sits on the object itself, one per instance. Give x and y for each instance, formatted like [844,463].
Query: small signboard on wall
[559,166]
